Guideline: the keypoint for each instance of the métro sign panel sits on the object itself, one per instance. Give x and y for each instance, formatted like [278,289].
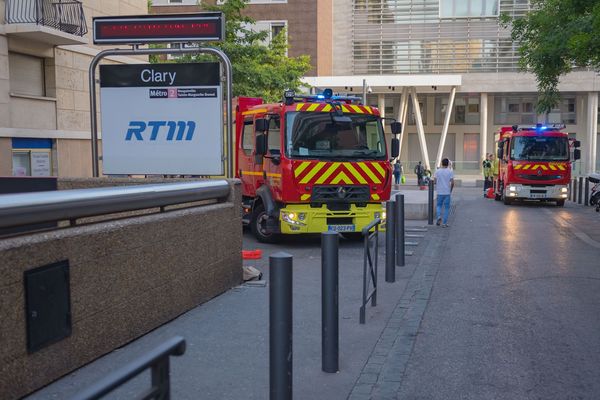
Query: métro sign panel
[199,27]
[161,119]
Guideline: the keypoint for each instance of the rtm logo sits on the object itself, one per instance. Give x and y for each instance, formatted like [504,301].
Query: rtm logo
[136,128]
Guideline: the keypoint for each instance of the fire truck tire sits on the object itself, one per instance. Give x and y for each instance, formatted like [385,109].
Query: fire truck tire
[560,203]
[258,226]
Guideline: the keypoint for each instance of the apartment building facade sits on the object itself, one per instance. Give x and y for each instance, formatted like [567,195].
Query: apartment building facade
[437,53]
[45,53]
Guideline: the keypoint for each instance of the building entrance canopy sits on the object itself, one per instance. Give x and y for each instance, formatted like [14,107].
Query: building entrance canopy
[404,85]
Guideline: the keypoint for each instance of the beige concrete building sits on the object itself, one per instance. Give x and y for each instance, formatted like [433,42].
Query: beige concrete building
[45,52]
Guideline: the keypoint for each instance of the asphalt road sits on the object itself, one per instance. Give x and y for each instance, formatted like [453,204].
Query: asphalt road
[514,310]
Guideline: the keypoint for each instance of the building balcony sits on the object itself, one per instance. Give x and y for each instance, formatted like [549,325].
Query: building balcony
[56,22]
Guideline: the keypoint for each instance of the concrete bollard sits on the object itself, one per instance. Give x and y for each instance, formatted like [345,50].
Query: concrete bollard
[580,192]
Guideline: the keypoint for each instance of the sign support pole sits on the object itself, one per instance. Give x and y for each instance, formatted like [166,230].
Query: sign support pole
[137,51]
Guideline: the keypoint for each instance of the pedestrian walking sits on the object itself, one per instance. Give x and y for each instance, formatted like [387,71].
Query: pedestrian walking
[419,170]
[397,172]
[444,182]
[487,173]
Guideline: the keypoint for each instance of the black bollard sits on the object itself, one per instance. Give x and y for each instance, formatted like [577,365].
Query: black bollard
[430,204]
[587,192]
[575,190]
[280,326]
[390,241]
[329,301]
[571,190]
[400,250]
[580,192]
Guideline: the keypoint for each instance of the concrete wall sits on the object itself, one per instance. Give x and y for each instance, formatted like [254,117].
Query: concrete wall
[127,277]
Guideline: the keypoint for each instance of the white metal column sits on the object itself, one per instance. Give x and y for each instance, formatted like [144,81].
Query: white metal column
[381,104]
[438,159]
[420,129]
[402,110]
[483,117]
[592,128]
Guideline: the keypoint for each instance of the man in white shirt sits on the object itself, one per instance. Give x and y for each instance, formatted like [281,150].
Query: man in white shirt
[444,182]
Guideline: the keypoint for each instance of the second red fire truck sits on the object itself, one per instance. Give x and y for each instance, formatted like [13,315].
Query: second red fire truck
[534,163]
[311,164]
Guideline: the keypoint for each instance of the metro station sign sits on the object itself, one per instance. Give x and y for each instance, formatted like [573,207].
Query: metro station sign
[197,27]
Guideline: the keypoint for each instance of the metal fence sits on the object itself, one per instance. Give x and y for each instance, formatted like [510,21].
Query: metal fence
[371,251]
[64,15]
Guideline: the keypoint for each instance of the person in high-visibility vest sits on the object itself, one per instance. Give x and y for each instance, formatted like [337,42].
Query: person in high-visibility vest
[487,174]
[495,170]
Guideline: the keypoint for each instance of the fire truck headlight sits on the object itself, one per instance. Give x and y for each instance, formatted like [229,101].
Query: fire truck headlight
[564,195]
[564,190]
[292,218]
[512,188]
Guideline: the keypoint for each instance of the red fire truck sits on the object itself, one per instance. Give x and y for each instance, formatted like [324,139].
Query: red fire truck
[311,164]
[534,163]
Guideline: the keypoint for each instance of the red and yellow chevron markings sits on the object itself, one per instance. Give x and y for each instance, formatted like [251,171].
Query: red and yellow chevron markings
[533,167]
[323,173]
[321,107]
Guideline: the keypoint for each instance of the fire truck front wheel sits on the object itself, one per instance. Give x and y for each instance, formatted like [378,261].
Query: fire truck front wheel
[560,203]
[258,225]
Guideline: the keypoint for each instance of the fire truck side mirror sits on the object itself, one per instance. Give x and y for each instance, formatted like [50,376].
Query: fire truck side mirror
[261,125]
[261,144]
[396,127]
[500,152]
[576,144]
[576,154]
[395,147]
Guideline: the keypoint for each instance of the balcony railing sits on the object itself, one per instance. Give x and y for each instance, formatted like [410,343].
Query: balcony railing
[63,15]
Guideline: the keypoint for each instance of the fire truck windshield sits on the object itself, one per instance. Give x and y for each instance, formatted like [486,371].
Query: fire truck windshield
[320,135]
[539,148]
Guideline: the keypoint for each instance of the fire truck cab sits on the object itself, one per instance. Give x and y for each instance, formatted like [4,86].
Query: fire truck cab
[534,163]
[311,164]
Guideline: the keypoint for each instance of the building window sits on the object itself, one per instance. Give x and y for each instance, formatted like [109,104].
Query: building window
[465,110]
[514,110]
[31,157]
[26,74]
[468,8]
[564,113]
[259,1]
[273,29]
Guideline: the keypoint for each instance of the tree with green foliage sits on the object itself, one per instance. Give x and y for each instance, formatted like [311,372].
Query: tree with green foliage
[555,37]
[259,70]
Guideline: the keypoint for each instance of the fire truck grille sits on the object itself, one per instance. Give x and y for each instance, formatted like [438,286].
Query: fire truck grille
[539,177]
[345,194]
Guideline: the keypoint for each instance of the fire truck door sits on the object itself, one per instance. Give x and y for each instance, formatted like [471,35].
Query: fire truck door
[272,162]
[249,169]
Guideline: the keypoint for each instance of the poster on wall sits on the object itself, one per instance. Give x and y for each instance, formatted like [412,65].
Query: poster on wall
[161,119]
[40,163]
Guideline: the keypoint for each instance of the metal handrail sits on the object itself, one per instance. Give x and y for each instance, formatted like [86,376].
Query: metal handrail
[32,208]
[371,270]
[157,359]
[64,15]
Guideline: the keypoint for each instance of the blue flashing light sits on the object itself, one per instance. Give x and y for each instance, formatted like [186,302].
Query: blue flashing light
[320,96]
